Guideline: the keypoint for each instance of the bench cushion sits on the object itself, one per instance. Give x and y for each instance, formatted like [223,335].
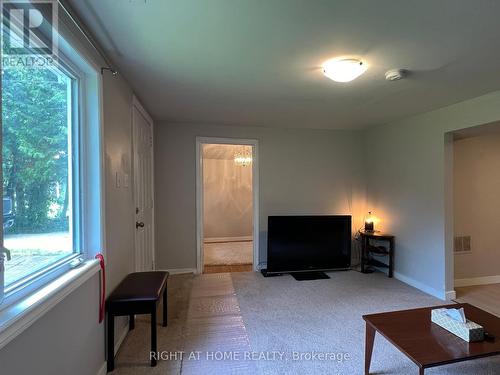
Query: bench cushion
[139,286]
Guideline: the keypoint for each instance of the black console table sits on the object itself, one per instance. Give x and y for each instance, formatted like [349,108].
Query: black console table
[368,250]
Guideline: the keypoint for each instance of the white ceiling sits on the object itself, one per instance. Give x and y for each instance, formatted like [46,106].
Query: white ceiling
[250,62]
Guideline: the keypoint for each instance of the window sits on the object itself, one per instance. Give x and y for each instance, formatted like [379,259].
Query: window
[51,153]
[40,169]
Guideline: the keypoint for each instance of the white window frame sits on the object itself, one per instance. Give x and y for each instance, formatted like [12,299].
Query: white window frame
[36,279]
[21,309]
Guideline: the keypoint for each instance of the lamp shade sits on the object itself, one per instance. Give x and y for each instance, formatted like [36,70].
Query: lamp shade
[369,222]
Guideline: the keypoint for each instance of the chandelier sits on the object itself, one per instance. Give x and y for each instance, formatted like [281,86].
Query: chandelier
[243,158]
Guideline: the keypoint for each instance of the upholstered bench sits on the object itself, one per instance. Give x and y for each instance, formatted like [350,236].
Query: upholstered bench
[138,293]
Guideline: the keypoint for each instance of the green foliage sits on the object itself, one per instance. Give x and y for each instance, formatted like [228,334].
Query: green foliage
[35,147]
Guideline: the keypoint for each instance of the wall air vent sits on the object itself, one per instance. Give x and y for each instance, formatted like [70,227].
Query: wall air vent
[462,244]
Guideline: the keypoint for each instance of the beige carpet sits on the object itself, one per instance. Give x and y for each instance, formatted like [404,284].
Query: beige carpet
[204,319]
[241,312]
[228,253]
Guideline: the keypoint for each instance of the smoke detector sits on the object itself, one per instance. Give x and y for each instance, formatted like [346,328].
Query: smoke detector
[395,74]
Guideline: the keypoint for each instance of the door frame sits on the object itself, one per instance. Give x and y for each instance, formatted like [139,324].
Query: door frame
[200,141]
[136,105]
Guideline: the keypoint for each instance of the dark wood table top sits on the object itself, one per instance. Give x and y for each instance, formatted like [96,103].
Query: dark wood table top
[376,234]
[429,345]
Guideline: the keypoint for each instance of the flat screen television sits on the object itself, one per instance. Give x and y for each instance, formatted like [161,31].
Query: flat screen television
[308,243]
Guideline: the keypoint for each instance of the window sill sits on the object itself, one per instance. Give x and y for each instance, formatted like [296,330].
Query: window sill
[14,319]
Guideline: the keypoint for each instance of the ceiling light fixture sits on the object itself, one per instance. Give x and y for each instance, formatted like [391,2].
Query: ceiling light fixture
[343,70]
[243,158]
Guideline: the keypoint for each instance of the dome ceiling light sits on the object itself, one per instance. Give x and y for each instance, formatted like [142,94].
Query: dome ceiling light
[343,70]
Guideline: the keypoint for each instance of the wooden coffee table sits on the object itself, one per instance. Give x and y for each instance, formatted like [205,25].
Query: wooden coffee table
[427,344]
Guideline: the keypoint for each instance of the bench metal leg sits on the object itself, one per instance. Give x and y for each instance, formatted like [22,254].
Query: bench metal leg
[153,336]
[111,342]
[165,308]
[131,322]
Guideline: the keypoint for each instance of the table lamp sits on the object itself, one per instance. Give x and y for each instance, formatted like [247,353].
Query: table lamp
[369,227]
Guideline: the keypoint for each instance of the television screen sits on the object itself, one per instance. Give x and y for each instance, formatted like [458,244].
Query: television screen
[306,243]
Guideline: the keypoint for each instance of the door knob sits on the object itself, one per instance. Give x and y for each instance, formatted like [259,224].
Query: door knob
[6,252]
[139,224]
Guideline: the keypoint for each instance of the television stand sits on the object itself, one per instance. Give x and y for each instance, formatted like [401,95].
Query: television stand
[309,275]
[266,274]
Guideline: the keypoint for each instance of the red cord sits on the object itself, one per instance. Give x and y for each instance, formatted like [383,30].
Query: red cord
[103,287]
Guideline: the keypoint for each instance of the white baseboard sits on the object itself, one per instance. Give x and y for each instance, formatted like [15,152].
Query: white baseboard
[178,271]
[121,337]
[441,294]
[104,369]
[228,239]
[450,295]
[478,281]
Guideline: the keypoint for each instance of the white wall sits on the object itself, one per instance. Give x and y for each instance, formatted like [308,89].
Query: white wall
[408,180]
[477,204]
[66,340]
[301,172]
[120,210]
[227,199]
[120,207]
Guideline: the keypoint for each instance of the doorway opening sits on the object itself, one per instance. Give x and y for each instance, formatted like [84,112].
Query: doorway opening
[475,184]
[227,196]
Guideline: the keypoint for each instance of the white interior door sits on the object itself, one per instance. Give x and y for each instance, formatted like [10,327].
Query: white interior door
[143,189]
